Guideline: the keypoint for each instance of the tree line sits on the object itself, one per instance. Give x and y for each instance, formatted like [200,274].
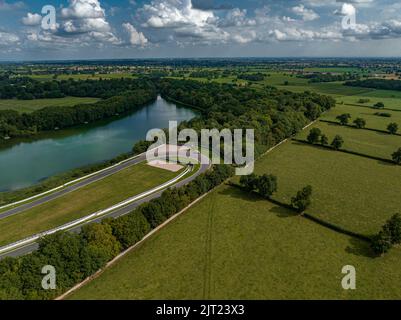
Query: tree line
[13,124]
[25,88]
[382,84]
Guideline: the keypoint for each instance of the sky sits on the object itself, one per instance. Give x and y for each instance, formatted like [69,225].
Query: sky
[123,29]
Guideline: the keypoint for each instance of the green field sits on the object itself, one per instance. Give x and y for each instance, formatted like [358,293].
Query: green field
[372,121]
[371,143]
[32,105]
[375,97]
[234,246]
[96,196]
[353,192]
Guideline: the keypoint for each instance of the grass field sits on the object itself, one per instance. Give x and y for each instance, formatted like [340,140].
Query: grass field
[32,105]
[235,246]
[372,143]
[375,97]
[353,192]
[372,121]
[77,204]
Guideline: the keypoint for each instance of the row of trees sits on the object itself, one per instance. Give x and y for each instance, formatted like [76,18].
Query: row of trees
[29,89]
[77,256]
[360,123]
[316,136]
[266,185]
[376,84]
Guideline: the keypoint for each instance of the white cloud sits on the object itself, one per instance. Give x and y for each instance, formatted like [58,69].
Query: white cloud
[346,10]
[135,38]
[8,39]
[305,13]
[32,19]
[83,9]
[4,5]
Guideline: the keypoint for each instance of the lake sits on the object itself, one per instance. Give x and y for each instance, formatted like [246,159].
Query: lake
[28,162]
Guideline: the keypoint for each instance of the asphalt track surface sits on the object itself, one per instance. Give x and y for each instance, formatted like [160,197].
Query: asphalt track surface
[205,164]
[71,188]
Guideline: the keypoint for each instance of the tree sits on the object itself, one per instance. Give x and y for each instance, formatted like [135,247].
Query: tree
[302,200]
[381,243]
[267,185]
[379,105]
[324,140]
[314,135]
[250,182]
[344,118]
[393,226]
[360,123]
[337,142]
[397,156]
[100,237]
[392,128]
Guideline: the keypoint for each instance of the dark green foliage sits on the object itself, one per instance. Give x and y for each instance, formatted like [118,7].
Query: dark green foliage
[344,118]
[249,182]
[383,114]
[397,156]
[381,243]
[130,229]
[379,105]
[337,142]
[314,135]
[377,84]
[324,140]
[389,236]
[392,128]
[302,200]
[360,123]
[394,227]
[267,185]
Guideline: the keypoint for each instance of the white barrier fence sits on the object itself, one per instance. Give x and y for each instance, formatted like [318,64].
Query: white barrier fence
[73,181]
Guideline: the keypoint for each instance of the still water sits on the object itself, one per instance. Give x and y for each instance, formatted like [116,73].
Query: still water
[27,163]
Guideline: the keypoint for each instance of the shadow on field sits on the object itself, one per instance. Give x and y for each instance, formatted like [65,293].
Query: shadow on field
[384,163]
[280,211]
[360,248]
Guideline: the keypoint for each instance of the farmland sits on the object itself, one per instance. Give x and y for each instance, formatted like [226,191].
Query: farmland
[235,246]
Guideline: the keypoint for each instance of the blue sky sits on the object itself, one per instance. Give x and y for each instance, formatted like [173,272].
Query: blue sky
[98,29]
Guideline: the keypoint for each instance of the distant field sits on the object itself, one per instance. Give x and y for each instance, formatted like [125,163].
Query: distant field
[372,120]
[32,105]
[391,100]
[356,193]
[235,246]
[47,77]
[87,200]
[372,143]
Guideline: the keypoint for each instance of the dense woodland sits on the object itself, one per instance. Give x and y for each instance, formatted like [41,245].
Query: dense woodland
[382,84]
[25,88]
[273,114]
